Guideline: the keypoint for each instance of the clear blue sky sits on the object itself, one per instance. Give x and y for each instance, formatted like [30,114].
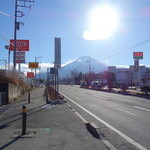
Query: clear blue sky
[69,19]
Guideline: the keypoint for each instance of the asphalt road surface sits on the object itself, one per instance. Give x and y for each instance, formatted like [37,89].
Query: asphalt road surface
[123,119]
[49,127]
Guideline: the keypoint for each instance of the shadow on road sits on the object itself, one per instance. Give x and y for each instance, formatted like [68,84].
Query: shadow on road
[9,143]
[28,114]
[92,131]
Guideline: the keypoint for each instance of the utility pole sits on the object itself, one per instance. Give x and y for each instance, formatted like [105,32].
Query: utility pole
[89,66]
[17,24]
[89,61]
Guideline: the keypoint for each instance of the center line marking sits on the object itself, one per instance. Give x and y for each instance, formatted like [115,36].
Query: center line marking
[99,97]
[141,108]
[130,140]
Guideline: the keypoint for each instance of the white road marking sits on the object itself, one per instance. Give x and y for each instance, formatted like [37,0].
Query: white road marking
[83,119]
[69,105]
[141,108]
[109,145]
[130,140]
[127,112]
[98,96]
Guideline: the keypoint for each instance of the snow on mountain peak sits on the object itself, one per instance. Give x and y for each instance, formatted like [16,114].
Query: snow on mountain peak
[85,58]
[82,65]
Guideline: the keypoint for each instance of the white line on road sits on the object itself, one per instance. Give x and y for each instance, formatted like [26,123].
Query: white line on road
[127,112]
[83,119]
[141,108]
[98,96]
[109,126]
[109,145]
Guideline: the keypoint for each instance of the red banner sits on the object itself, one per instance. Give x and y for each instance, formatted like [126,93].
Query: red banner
[138,53]
[21,45]
[30,74]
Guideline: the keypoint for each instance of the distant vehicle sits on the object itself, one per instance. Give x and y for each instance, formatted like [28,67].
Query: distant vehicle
[146,86]
[96,84]
[145,89]
[83,84]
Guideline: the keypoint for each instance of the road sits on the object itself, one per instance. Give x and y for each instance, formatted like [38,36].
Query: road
[54,127]
[123,119]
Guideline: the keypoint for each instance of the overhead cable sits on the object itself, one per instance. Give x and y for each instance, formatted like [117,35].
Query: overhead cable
[6,14]
[118,53]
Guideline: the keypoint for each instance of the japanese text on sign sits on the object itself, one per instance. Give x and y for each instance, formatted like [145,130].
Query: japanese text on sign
[21,45]
[137,55]
[33,64]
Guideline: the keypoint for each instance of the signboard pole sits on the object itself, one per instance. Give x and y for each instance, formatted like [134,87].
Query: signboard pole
[19,63]
[57,87]
[137,56]
[15,35]
[139,74]
[57,64]
[19,67]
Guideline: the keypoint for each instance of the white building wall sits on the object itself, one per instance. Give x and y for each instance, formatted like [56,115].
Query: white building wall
[126,75]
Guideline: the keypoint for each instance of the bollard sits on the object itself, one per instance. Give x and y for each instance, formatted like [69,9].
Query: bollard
[29,96]
[24,117]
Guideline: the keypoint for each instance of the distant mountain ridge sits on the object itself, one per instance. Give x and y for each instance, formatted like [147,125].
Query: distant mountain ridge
[83,64]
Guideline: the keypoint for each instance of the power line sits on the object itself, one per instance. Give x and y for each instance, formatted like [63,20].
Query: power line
[6,39]
[5,14]
[118,53]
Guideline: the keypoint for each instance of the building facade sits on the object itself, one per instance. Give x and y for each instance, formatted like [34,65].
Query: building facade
[130,76]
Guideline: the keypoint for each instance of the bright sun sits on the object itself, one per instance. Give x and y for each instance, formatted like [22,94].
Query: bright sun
[103,22]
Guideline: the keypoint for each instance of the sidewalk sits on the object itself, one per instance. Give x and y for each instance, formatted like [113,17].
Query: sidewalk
[55,128]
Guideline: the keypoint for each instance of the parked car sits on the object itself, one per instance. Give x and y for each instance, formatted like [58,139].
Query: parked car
[145,89]
[96,84]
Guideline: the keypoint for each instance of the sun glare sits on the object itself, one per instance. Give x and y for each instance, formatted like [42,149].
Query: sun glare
[103,22]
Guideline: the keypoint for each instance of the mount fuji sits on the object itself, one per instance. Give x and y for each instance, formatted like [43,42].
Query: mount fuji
[83,64]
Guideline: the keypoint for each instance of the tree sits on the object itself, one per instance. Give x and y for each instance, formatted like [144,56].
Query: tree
[78,78]
[74,73]
[110,76]
[131,78]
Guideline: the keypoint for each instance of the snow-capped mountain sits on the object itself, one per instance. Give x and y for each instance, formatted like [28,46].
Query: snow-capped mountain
[83,64]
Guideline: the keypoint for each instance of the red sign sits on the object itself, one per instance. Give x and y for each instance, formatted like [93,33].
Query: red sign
[20,61]
[30,74]
[138,53]
[21,45]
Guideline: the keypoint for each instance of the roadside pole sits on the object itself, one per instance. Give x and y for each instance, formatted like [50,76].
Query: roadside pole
[57,62]
[137,56]
[24,117]
[29,96]
[57,81]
